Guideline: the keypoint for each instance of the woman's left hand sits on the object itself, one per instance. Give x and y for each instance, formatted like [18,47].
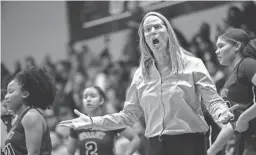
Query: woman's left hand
[227,115]
[241,125]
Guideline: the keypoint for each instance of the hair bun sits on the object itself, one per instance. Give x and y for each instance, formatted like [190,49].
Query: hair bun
[250,49]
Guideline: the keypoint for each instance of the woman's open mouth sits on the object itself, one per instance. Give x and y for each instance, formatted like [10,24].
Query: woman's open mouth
[155,42]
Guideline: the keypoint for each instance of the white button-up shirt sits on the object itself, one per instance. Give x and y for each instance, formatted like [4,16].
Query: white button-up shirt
[171,103]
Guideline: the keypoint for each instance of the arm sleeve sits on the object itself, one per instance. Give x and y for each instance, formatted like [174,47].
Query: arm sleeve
[248,67]
[127,117]
[210,98]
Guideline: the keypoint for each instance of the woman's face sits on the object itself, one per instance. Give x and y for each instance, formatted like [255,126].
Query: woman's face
[155,33]
[91,99]
[15,96]
[225,52]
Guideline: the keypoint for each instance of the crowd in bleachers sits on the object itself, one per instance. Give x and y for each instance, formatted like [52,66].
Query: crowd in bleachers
[83,68]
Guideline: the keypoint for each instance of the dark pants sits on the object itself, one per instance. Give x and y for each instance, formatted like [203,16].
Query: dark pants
[184,144]
[244,144]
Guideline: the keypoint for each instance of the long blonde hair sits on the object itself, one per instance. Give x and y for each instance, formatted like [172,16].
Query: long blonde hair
[175,51]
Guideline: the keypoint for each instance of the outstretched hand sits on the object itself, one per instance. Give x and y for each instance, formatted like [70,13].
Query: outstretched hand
[227,115]
[82,122]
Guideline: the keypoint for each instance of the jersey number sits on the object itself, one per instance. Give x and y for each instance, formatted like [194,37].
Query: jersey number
[91,148]
[8,150]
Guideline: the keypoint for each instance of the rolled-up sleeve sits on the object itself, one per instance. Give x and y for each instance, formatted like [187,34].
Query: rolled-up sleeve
[128,116]
[205,85]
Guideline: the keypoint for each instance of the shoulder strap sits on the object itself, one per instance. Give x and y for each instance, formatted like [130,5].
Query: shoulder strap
[39,111]
[237,68]
[20,118]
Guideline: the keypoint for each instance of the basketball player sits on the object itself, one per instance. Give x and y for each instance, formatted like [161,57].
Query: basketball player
[91,142]
[30,92]
[235,50]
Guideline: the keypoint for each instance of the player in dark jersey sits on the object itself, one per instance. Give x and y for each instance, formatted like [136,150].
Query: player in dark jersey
[95,142]
[239,89]
[30,92]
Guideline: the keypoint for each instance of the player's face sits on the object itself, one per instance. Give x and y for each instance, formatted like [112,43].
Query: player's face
[91,99]
[225,52]
[15,96]
[155,33]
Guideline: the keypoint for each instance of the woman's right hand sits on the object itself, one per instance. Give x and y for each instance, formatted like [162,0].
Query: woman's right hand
[82,122]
